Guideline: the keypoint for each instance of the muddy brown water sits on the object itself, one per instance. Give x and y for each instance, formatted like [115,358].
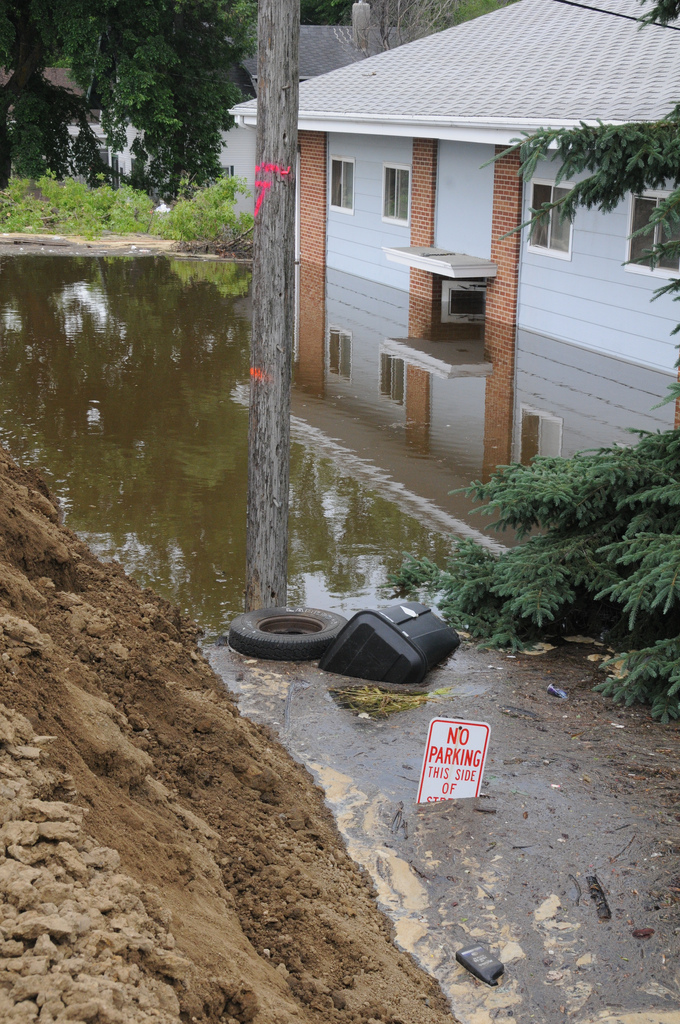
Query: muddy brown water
[126,379]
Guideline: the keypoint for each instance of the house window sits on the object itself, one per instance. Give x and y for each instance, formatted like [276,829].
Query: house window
[392,378]
[550,233]
[340,353]
[643,208]
[396,193]
[228,170]
[342,185]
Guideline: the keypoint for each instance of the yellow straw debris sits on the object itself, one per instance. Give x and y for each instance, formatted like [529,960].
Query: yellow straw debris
[378,703]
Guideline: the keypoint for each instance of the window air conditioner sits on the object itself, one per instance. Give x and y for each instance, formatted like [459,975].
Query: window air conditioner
[463,301]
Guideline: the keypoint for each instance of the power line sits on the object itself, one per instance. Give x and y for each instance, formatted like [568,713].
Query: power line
[615,14]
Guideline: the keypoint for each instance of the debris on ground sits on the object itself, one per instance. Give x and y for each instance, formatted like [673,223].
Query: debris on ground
[597,894]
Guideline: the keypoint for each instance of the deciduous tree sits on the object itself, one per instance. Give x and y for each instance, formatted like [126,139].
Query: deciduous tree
[162,66]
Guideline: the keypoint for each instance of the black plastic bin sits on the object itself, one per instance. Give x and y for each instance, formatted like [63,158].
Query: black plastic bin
[399,644]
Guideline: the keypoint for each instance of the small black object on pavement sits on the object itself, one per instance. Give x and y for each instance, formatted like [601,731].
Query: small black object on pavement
[399,644]
[480,962]
[597,894]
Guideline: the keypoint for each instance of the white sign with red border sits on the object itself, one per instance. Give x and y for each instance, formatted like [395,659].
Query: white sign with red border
[453,762]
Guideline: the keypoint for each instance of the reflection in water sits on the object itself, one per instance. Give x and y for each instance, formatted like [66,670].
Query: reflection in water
[116,375]
[128,379]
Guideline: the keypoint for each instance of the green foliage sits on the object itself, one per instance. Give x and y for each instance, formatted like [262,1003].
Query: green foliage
[207,214]
[71,207]
[606,561]
[162,66]
[325,12]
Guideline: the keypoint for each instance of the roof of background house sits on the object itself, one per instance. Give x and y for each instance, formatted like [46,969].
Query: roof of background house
[56,76]
[537,62]
[324,48]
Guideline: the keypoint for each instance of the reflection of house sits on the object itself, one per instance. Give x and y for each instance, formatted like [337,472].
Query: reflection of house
[396,187]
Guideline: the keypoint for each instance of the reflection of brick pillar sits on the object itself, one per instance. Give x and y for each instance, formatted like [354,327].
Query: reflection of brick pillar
[499,397]
[309,368]
[418,403]
[426,289]
[312,197]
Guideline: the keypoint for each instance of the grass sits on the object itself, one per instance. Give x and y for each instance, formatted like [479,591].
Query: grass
[378,703]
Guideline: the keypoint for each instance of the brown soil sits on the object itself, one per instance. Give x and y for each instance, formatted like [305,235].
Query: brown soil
[230,896]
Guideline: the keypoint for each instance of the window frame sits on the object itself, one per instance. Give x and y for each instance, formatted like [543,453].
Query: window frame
[664,273]
[349,211]
[388,165]
[543,250]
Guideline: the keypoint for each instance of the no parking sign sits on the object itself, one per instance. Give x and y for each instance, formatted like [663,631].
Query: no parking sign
[453,762]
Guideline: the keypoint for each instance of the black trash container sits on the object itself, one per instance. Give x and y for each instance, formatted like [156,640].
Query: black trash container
[399,644]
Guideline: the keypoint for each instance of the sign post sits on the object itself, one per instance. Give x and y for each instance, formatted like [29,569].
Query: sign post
[453,762]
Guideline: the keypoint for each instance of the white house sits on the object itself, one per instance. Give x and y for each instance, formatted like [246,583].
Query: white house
[396,187]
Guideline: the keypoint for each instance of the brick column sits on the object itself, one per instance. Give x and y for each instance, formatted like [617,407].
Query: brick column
[677,409]
[501,293]
[501,314]
[425,294]
[313,193]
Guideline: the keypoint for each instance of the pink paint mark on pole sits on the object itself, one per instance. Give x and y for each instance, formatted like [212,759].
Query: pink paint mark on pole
[263,185]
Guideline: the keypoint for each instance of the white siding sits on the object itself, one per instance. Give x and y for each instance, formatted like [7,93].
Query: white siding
[591,300]
[238,150]
[464,198]
[355,240]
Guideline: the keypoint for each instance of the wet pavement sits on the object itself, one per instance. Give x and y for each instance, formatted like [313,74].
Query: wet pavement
[572,789]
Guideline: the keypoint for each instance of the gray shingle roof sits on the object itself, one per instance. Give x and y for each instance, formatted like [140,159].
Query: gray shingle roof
[324,48]
[536,61]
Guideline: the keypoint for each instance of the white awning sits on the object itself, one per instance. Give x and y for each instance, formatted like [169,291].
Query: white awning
[441,261]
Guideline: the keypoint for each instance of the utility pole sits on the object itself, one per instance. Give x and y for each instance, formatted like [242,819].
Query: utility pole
[271,359]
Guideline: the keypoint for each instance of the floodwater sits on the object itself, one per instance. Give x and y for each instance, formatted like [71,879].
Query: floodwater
[127,380]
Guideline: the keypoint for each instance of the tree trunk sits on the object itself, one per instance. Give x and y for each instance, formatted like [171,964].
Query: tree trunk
[273,305]
[5,147]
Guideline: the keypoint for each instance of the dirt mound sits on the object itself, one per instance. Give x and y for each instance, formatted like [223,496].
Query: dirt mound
[164,858]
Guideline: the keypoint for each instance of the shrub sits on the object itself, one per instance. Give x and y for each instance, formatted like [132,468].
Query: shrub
[607,561]
[71,207]
[206,214]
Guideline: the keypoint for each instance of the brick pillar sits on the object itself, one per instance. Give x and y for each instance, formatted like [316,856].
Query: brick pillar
[418,408]
[501,293]
[677,409]
[501,314]
[311,349]
[313,192]
[425,292]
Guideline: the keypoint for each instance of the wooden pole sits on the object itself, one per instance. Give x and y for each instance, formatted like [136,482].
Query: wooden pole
[271,348]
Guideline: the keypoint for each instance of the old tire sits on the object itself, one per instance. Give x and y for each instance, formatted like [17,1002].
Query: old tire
[285,634]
